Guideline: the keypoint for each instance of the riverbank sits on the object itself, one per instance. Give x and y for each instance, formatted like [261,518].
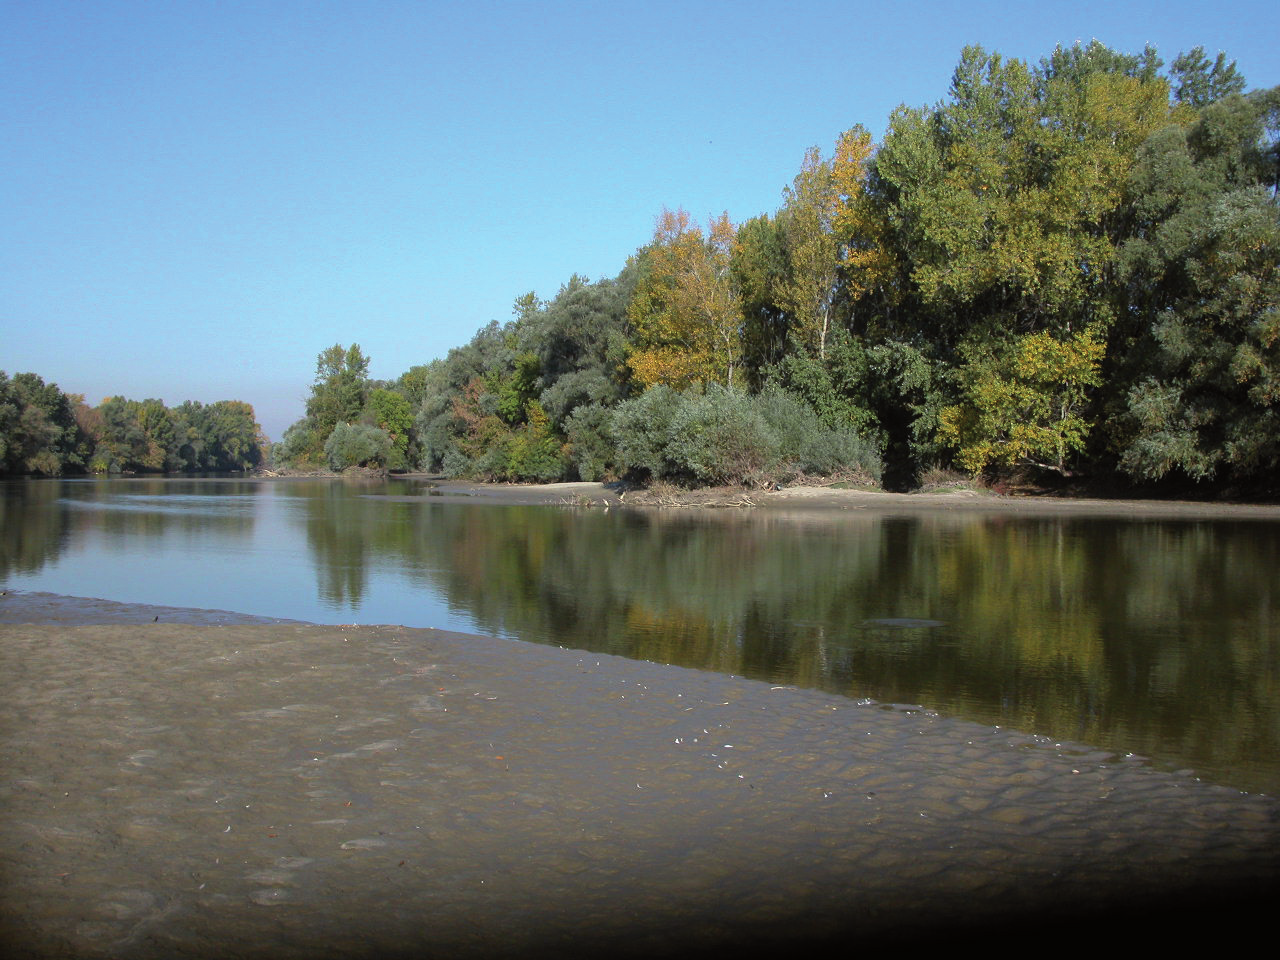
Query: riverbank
[835,498]
[239,789]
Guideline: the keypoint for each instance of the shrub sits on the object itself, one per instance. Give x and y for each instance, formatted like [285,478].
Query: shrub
[724,436]
[357,445]
[806,444]
[589,443]
[298,445]
[533,452]
[641,430]
[454,463]
[720,437]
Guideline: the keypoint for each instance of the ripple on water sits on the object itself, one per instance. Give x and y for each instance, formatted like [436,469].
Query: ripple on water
[903,623]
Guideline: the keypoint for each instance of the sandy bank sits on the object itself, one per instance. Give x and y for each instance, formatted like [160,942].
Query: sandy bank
[831,498]
[288,790]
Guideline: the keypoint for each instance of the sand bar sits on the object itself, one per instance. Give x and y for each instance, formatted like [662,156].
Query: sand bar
[287,790]
[802,498]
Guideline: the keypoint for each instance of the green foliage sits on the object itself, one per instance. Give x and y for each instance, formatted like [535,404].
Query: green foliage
[726,436]
[1198,83]
[1024,404]
[391,413]
[581,341]
[1007,199]
[38,430]
[720,437]
[294,448]
[233,439]
[1204,380]
[811,290]
[590,445]
[357,445]
[804,442]
[1069,263]
[832,386]
[340,390]
[760,268]
[44,431]
[533,452]
[340,394]
[641,427]
[412,385]
[513,391]
[500,406]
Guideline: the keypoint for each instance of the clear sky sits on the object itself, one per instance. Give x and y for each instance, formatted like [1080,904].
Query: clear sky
[196,198]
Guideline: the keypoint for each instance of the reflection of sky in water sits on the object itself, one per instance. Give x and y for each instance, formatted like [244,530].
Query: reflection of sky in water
[223,506]
[248,554]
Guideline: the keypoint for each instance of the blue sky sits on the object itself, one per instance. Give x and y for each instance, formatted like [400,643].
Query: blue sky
[196,198]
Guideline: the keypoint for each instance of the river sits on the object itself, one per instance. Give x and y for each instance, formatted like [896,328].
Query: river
[1149,636]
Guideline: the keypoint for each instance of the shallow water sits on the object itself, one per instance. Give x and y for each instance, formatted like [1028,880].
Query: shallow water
[1149,637]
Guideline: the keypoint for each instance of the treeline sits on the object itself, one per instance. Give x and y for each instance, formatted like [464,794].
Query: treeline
[47,432]
[1070,266]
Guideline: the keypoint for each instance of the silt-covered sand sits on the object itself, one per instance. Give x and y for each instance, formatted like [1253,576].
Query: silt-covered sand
[223,789]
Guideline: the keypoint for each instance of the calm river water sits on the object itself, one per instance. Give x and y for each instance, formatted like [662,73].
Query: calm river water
[1154,637]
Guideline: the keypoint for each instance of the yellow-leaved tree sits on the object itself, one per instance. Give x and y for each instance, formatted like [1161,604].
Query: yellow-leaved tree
[686,312]
[809,293]
[864,236]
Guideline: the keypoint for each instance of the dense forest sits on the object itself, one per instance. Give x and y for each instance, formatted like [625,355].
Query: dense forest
[1068,268]
[45,431]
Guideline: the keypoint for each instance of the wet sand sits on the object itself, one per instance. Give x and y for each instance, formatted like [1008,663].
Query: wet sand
[224,789]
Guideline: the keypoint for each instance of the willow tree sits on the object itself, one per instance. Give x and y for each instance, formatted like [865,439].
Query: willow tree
[1203,268]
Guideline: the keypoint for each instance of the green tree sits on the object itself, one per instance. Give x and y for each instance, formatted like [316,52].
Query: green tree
[38,429]
[1198,83]
[339,394]
[873,272]
[1025,405]
[1204,267]
[392,414]
[123,446]
[759,267]
[580,338]
[341,388]
[1008,205]
[533,452]
[234,440]
[157,425]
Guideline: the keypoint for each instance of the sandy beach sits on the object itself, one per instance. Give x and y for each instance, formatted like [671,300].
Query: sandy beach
[202,787]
